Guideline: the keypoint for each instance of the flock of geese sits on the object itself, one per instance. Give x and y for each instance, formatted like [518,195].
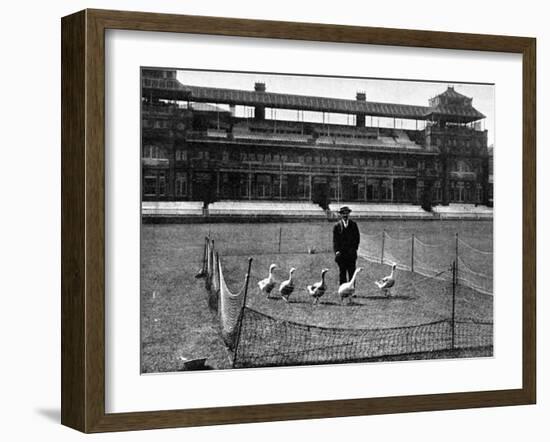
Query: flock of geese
[346,291]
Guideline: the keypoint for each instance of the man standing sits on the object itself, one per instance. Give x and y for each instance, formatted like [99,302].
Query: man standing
[345,240]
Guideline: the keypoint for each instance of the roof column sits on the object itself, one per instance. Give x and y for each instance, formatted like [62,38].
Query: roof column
[360,117]
[259,110]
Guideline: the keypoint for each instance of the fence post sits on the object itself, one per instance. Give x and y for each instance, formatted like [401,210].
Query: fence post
[454,304]
[412,253]
[202,271]
[383,238]
[456,251]
[242,313]
[208,280]
[204,258]
[212,263]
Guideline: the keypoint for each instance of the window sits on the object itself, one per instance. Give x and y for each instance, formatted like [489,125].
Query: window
[154,183]
[151,151]
[469,195]
[372,190]
[386,193]
[457,191]
[334,189]
[303,186]
[181,184]
[150,185]
[243,185]
[280,186]
[263,186]
[181,155]
[436,191]
[357,189]
[479,193]
[161,124]
[162,184]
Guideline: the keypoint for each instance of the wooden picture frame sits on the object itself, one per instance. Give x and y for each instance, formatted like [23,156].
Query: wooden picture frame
[83,220]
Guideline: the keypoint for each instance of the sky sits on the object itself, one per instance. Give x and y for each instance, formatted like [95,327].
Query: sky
[380,90]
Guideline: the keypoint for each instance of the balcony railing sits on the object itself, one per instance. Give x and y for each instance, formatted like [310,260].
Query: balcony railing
[455,130]
[155,162]
[468,176]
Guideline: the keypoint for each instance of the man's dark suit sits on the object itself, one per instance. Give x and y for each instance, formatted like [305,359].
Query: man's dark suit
[345,242]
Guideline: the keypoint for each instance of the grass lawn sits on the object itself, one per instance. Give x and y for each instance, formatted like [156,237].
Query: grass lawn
[176,320]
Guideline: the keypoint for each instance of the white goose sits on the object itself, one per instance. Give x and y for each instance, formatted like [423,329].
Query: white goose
[387,282]
[318,289]
[266,285]
[287,287]
[347,289]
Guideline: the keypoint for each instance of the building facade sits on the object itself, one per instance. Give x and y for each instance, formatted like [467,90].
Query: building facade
[195,147]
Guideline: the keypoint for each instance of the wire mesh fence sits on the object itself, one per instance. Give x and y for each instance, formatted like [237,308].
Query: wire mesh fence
[474,266]
[268,341]
[258,339]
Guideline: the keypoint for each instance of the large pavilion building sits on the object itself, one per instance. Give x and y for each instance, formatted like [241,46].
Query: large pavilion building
[196,146]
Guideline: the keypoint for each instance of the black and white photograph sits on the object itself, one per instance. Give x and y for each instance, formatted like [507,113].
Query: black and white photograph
[295,220]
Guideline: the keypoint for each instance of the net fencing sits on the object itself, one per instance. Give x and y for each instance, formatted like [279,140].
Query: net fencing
[407,252]
[226,304]
[397,250]
[210,273]
[300,238]
[267,341]
[258,339]
[231,305]
[474,266]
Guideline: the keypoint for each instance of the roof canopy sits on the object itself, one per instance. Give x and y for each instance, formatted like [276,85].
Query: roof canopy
[452,105]
[173,89]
